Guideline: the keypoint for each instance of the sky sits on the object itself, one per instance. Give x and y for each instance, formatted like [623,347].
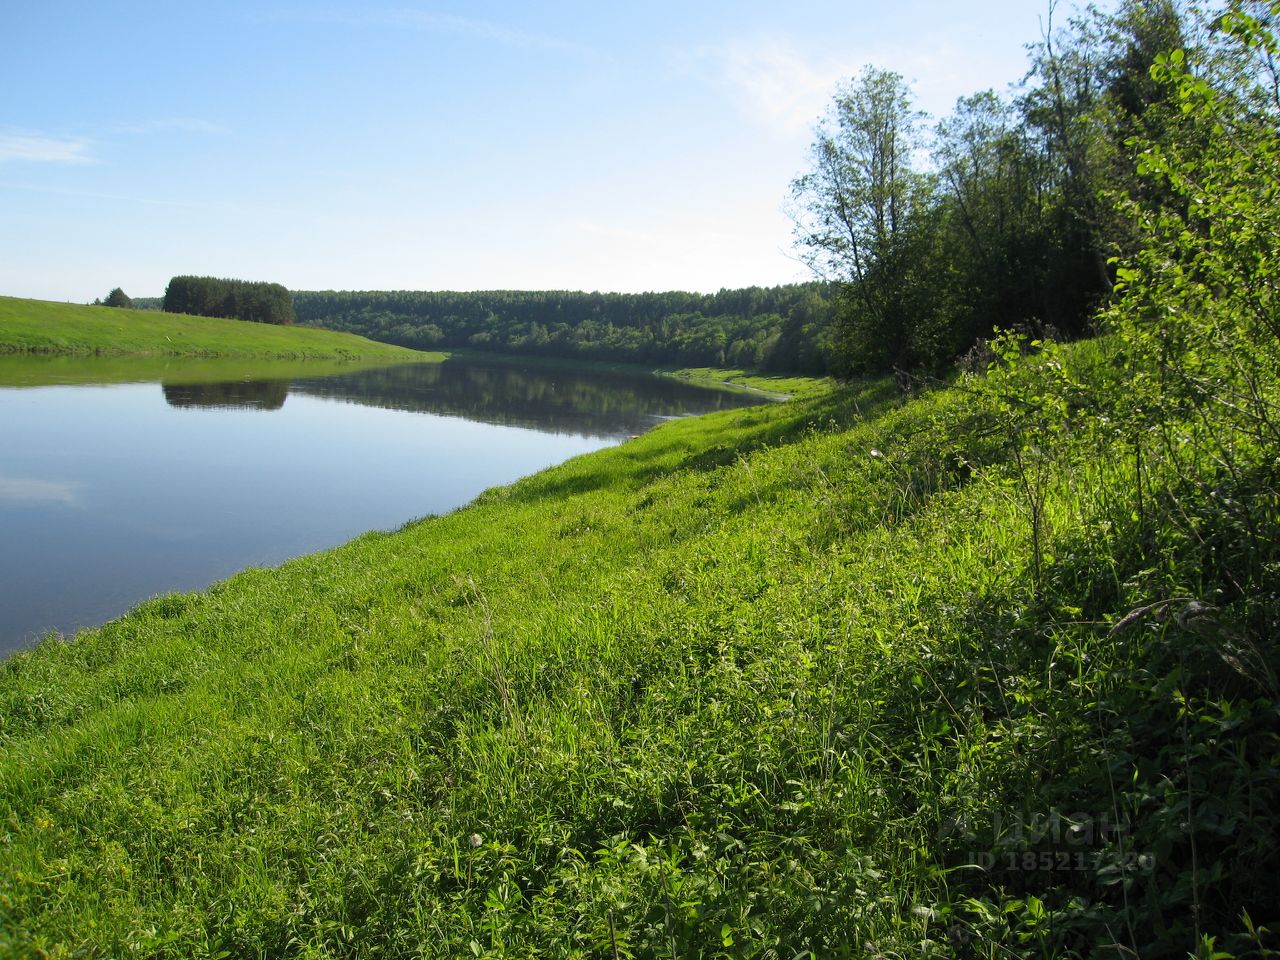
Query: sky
[442,145]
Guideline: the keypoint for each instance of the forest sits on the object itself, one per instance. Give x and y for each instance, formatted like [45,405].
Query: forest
[1006,214]
[237,299]
[775,328]
[926,234]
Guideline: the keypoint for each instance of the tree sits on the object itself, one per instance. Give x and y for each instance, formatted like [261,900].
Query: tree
[858,214]
[117,298]
[212,297]
[1200,302]
[1015,223]
[1094,93]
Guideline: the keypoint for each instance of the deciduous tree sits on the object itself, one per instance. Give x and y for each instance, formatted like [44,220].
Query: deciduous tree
[858,212]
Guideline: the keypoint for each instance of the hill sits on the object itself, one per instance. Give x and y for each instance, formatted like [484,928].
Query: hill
[779,329]
[40,326]
[945,675]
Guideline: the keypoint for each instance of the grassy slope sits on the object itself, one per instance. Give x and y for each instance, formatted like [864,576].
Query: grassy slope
[38,326]
[775,385]
[725,690]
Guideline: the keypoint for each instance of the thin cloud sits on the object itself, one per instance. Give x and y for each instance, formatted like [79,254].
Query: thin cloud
[788,89]
[771,80]
[148,201]
[482,29]
[174,125]
[37,148]
[446,23]
[22,490]
[614,232]
[98,195]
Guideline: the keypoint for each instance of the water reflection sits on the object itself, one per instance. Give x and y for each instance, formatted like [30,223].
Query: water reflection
[586,403]
[241,394]
[112,490]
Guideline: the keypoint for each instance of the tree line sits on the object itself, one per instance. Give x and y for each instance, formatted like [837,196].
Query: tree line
[1002,214]
[116,298]
[238,299]
[784,328]
[926,235]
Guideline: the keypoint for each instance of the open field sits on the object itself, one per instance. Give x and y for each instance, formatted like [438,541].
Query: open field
[40,326]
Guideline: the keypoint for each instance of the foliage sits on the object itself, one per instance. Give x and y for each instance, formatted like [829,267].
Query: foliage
[239,299]
[1183,395]
[117,298]
[1000,219]
[860,211]
[774,329]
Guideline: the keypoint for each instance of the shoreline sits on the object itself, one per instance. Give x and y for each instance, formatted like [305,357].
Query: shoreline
[68,369]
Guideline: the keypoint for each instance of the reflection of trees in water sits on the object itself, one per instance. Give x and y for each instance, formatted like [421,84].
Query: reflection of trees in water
[558,401]
[251,394]
[562,401]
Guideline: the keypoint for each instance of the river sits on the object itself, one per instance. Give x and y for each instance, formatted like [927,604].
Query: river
[123,479]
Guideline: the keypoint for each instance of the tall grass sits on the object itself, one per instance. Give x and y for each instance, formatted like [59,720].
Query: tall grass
[796,680]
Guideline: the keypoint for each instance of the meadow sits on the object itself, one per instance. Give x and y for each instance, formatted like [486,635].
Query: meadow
[43,342]
[45,327]
[860,674]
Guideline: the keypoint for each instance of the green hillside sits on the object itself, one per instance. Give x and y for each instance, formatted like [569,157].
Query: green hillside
[39,326]
[791,680]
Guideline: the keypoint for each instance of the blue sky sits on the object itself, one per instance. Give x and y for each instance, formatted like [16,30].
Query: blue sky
[441,145]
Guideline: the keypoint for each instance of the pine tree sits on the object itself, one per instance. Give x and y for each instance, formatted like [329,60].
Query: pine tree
[117,298]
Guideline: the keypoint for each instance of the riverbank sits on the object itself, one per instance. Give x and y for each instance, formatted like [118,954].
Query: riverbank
[814,676]
[772,386]
[45,327]
[69,369]
[68,332]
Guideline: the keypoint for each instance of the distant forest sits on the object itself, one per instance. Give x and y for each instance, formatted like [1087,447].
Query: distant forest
[1010,213]
[784,328]
[238,299]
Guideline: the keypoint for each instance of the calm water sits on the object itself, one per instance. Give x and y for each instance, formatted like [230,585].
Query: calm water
[165,476]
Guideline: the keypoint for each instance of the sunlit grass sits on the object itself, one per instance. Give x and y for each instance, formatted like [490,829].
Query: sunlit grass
[38,326]
[776,384]
[753,684]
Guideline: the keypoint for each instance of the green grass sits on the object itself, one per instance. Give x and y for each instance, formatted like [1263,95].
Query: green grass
[63,332]
[776,385]
[774,682]
[38,326]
